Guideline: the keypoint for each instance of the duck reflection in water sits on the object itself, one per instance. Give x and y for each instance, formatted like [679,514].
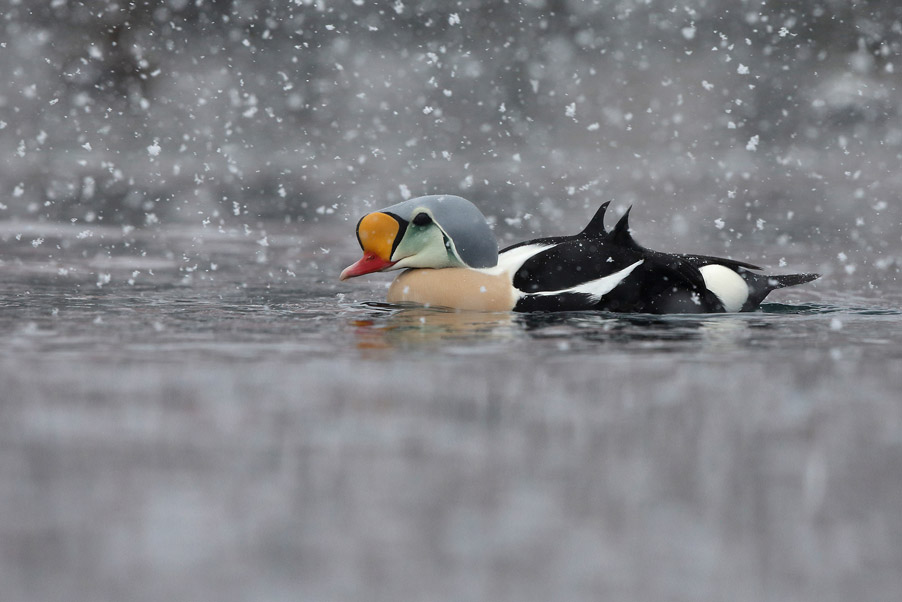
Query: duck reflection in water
[390,326]
[642,332]
[387,326]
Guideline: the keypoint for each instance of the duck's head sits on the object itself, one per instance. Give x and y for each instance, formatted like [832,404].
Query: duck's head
[438,231]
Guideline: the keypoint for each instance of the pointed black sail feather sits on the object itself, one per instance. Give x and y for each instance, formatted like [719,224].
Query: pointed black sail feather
[595,227]
[621,235]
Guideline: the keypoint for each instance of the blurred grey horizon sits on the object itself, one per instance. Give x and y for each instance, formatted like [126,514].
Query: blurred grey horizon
[775,122]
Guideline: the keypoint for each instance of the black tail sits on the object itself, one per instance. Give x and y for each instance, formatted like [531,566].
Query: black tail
[760,285]
[775,282]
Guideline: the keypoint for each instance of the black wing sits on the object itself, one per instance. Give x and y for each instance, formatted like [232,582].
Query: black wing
[569,262]
[663,284]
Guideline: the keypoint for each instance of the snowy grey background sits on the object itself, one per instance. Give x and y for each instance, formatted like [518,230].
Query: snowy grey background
[192,407]
[174,111]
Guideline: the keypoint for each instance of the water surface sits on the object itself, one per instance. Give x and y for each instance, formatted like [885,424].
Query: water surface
[201,416]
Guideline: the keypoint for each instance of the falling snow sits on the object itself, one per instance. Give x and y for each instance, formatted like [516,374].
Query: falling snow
[180,182]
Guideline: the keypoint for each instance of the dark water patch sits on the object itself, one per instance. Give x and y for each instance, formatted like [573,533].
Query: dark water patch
[822,308]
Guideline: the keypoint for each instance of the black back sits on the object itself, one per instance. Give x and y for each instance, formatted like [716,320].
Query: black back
[663,283]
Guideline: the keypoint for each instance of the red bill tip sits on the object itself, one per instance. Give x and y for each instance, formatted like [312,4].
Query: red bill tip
[370,262]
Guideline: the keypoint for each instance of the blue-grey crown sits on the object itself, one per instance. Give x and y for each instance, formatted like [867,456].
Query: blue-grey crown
[461,220]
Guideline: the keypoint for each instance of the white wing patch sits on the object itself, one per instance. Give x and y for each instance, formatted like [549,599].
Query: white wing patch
[596,289]
[511,261]
[727,285]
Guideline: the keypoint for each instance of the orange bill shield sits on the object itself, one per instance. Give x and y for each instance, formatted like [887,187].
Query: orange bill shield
[377,234]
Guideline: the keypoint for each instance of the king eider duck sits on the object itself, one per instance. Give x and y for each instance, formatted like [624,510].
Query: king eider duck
[450,259]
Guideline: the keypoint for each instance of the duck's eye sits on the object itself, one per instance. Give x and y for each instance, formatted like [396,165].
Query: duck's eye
[421,219]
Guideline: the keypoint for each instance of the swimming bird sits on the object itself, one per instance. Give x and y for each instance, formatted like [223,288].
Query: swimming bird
[449,256]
